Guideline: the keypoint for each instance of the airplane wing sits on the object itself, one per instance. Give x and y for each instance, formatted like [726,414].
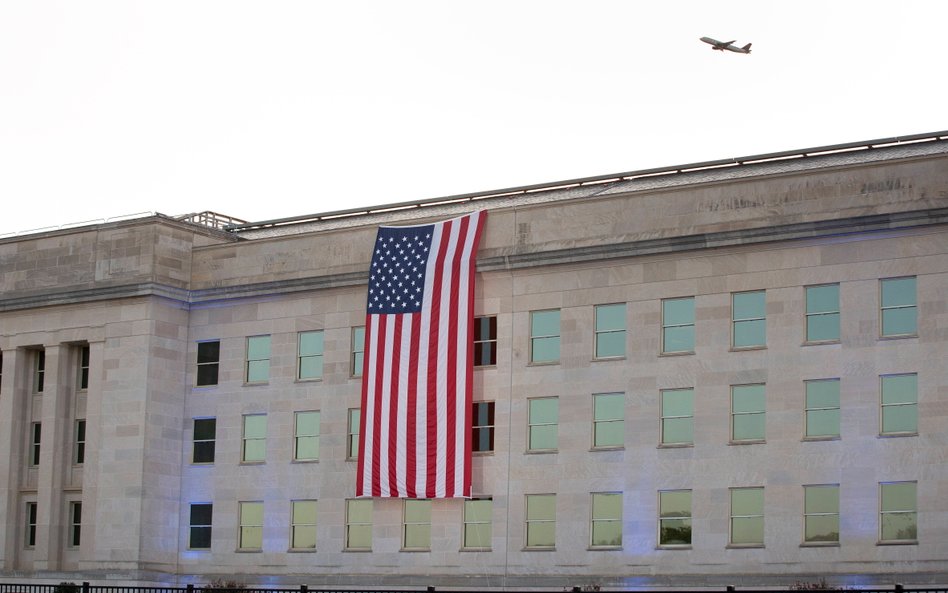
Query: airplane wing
[726,43]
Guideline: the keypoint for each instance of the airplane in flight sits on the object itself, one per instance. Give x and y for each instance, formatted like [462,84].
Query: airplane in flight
[727,45]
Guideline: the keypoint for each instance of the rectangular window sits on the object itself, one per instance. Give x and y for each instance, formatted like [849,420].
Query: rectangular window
[748,407]
[359,524]
[674,518]
[75,524]
[205,435]
[748,319]
[254,448]
[208,362]
[303,529]
[258,359]
[541,520]
[899,310]
[822,313]
[747,516]
[310,362]
[477,523]
[485,341]
[606,528]
[79,447]
[39,371]
[36,437]
[543,424]
[416,527]
[358,351]
[482,427]
[545,336]
[352,436]
[251,526]
[30,524]
[83,367]
[821,514]
[608,420]
[678,325]
[610,331]
[898,521]
[822,409]
[199,532]
[678,416]
[306,436]
[900,404]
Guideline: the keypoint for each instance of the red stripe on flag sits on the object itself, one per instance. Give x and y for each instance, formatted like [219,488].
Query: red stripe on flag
[380,365]
[411,473]
[393,405]
[452,371]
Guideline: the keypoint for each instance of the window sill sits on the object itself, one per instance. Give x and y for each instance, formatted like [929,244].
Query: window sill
[897,435]
[414,550]
[305,461]
[539,549]
[357,550]
[820,342]
[352,459]
[747,348]
[475,550]
[195,463]
[682,353]
[252,463]
[676,446]
[307,380]
[256,383]
[897,337]
[816,439]
[673,547]
[208,386]
[604,549]
[749,442]
[900,542]
[482,453]
[607,358]
[609,448]
[820,544]
[744,547]
[249,551]
[543,363]
[478,367]
[301,551]
[540,451]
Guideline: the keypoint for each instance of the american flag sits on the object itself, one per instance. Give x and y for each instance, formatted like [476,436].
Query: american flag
[415,437]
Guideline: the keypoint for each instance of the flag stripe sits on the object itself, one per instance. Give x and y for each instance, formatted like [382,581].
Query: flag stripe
[415,437]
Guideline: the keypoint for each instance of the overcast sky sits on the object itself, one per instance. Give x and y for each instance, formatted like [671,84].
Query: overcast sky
[268,109]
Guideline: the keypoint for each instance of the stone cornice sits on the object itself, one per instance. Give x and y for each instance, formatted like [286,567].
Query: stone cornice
[634,248]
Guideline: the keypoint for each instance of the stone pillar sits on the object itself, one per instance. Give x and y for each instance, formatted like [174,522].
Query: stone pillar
[12,436]
[54,454]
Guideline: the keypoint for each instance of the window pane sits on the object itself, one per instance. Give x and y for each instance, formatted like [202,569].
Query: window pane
[900,389]
[747,530]
[747,501]
[899,321]
[204,428]
[543,437]
[208,352]
[417,511]
[545,323]
[821,499]
[677,402]
[609,434]
[311,367]
[307,448]
[541,534]
[477,511]
[541,507]
[609,406]
[418,536]
[607,533]
[207,374]
[749,427]
[201,514]
[898,497]
[747,398]
[477,535]
[610,317]
[677,430]
[544,410]
[675,504]
[607,506]
[200,538]
[678,311]
[311,343]
[255,451]
[822,528]
[360,536]
[750,333]
[255,426]
[679,339]
[610,344]
[822,423]
[899,526]
[675,532]
[898,292]
[304,536]
[822,327]
[900,419]
[749,305]
[545,349]
[304,511]
[822,299]
[822,394]
[258,371]
[258,347]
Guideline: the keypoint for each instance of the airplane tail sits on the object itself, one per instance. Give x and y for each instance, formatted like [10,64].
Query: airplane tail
[747,47]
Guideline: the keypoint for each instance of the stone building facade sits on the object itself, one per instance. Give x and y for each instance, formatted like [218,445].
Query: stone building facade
[724,373]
